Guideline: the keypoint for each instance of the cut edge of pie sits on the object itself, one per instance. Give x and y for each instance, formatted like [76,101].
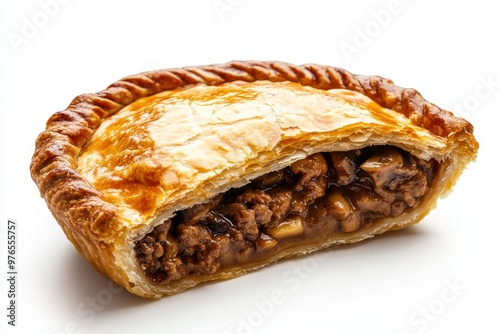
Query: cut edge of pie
[109,231]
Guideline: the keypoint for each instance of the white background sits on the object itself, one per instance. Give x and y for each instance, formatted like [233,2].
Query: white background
[437,277]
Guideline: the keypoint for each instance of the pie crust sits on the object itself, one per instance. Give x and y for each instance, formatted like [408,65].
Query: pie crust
[106,203]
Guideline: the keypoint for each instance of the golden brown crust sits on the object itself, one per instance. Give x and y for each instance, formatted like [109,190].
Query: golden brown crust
[95,226]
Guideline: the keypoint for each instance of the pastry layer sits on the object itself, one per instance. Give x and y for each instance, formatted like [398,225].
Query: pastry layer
[180,147]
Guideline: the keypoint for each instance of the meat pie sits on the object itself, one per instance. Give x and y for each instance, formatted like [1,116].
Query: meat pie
[172,178]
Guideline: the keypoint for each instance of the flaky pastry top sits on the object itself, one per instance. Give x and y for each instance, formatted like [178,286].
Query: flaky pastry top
[199,141]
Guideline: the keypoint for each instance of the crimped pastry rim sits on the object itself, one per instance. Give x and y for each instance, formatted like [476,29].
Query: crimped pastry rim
[92,224]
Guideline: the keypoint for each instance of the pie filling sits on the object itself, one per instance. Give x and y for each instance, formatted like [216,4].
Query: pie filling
[323,195]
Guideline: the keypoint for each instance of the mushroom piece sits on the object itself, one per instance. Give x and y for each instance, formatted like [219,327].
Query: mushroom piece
[383,166]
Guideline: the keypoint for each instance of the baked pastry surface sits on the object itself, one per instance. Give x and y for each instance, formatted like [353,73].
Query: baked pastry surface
[131,167]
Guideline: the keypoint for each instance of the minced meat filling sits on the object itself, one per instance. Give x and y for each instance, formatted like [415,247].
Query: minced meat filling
[323,194]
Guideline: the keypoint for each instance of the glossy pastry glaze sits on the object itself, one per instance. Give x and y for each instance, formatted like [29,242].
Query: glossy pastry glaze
[161,145]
